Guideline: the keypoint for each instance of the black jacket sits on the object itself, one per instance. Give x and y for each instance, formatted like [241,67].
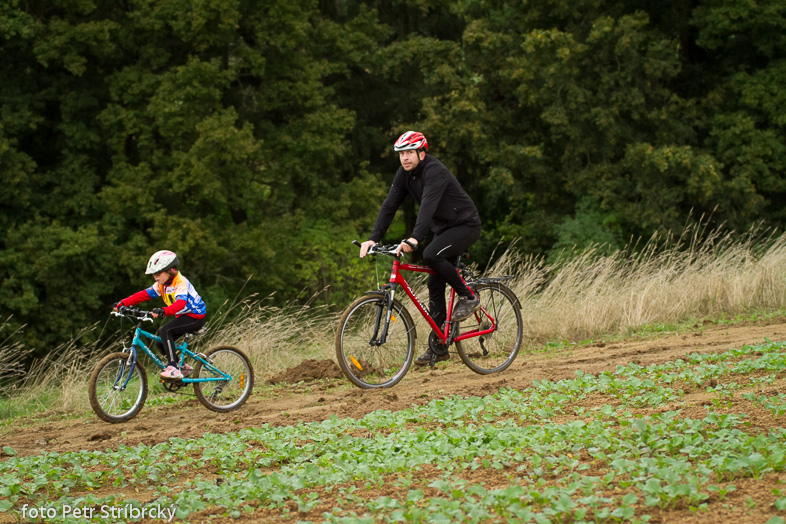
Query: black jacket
[443,202]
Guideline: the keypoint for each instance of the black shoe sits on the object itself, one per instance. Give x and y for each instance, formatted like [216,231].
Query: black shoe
[426,358]
[465,307]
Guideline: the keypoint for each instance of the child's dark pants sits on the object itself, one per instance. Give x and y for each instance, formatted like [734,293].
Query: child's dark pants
[173,330]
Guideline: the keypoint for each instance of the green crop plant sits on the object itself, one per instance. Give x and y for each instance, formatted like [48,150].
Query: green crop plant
[557,460]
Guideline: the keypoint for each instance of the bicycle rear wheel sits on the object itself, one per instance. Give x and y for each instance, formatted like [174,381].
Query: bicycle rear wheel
[226,394]
[117,391]
[365,363]
[495,351]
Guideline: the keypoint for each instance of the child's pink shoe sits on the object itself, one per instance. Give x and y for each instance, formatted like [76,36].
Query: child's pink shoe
[171,373]
[186,370]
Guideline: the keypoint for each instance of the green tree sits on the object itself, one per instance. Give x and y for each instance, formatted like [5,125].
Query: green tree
[213,129]
[254,138]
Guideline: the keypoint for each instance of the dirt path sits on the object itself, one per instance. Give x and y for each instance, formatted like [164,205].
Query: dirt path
[318,400]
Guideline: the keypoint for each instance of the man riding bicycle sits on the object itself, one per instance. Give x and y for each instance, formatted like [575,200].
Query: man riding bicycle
[448,211]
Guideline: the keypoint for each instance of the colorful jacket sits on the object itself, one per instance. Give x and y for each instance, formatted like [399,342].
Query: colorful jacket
[179,296]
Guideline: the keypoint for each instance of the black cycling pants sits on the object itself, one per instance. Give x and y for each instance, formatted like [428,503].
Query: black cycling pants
[440,255]
[173,330]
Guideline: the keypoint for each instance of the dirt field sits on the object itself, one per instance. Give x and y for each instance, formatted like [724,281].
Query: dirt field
[318,400]
[315,400]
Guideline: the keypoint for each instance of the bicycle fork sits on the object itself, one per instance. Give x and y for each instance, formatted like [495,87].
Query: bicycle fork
[129,365]
[376,338]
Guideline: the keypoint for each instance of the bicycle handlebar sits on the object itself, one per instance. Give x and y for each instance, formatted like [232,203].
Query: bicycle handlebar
[139,314]
[379,249]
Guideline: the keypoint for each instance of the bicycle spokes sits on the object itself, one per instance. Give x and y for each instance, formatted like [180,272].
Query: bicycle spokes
[225,383]
[117,389]
[368,360]
[493,351]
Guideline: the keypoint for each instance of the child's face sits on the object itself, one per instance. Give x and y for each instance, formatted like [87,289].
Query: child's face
[162,277]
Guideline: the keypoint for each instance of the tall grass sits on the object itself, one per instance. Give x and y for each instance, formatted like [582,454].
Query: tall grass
[587,294]
[56,382]
[13,355]
[668,280]
[275,338]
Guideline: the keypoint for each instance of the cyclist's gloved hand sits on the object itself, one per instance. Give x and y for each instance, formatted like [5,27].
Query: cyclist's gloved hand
[158,312]
[117,304]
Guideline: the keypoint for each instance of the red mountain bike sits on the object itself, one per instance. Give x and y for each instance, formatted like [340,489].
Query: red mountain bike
[375,342]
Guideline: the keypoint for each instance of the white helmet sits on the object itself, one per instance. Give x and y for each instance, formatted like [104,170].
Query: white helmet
[161,261]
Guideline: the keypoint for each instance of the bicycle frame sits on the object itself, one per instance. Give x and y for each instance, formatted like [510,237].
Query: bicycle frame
[397,279]
[138,343]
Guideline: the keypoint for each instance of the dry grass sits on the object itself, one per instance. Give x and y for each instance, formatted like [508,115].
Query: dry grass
[276,338]
[55,383]
[12,358]
[668,281]
[588,295]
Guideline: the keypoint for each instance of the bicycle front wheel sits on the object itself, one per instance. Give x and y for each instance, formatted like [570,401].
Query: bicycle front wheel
[117,390]
[364,361]
[495,351]
[226,394]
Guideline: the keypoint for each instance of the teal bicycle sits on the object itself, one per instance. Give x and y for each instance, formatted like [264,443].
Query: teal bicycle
[222,376]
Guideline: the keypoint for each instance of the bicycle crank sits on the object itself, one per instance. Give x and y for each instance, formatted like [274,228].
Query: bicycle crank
[438,349]
[173,385]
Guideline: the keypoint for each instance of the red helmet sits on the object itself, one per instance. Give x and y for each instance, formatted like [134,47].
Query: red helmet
[411,140]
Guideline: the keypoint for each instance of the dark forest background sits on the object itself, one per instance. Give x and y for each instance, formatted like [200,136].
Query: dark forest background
[255,138]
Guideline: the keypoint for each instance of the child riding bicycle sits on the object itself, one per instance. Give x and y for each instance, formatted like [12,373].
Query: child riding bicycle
[181,300]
